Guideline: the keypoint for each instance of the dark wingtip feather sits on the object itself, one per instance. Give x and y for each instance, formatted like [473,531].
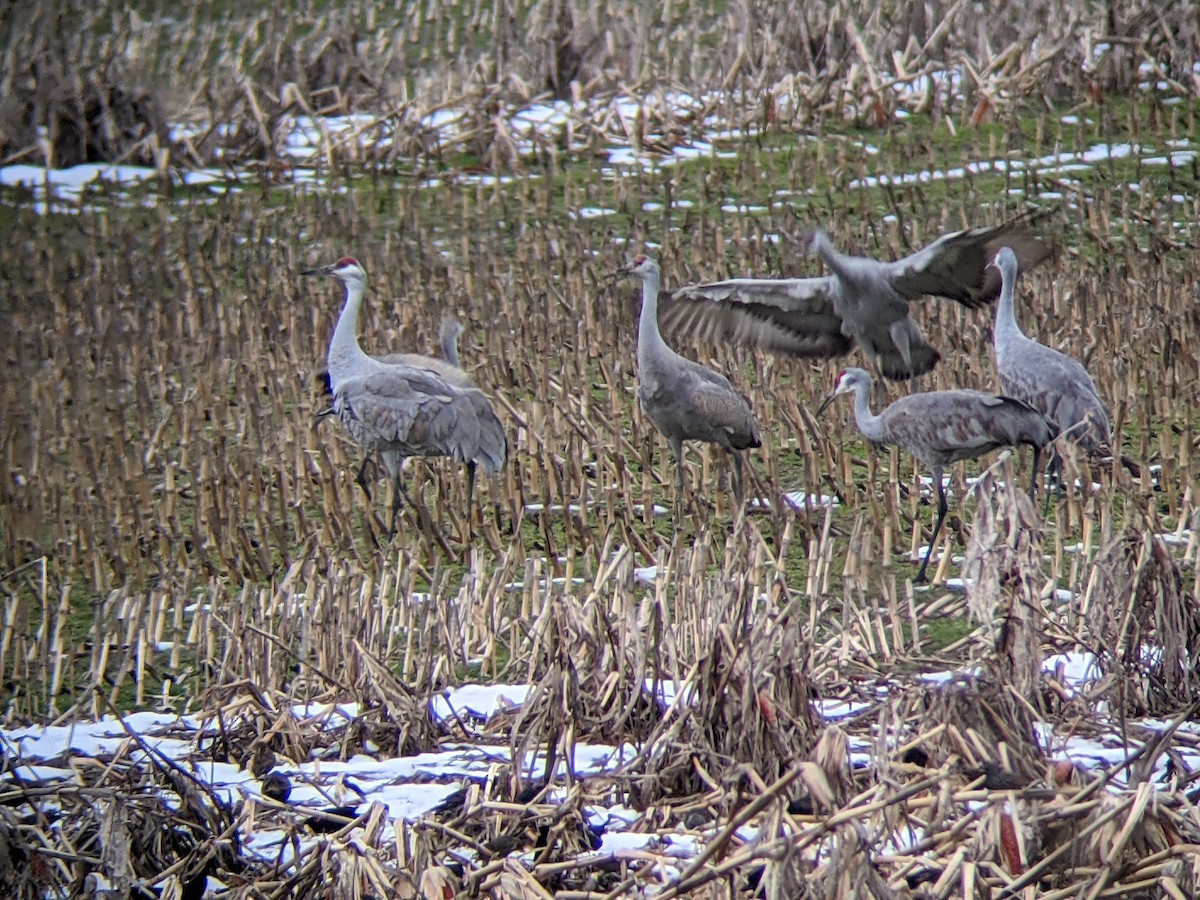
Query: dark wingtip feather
[924,359]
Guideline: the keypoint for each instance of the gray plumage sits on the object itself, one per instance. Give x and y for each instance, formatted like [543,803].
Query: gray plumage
[405,404]
[685,400]
[863,301]
[943,427]
[447,366]
[448,333]
[1051,382]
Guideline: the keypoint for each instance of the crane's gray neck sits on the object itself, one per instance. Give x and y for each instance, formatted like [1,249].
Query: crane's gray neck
[868,423]
[650,341]
[838,262]
[1006,317]
[344,351]
[450,346]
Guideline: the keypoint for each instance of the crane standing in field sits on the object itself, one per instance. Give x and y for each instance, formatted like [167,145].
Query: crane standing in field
[943,427]
[1051,382]
[405,408]
[863,301]
[685,400]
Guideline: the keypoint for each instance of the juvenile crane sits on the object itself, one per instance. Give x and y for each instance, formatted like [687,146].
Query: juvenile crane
[943,427]
[685,400]
[448,333]
[1051,382]
[863,301]
[447,365]
[403,409]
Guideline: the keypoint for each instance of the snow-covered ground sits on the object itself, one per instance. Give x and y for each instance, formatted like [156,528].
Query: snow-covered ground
[408,788]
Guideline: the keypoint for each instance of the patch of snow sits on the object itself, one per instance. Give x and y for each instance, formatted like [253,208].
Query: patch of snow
[591,212]
[798,500]
[332,714]
[1077,669]
[655,509]
[948,677]
[478,701]
[832,710]
[645,574]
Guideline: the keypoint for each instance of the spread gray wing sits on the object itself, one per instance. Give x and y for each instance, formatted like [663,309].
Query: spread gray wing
[782,315]
[955,266]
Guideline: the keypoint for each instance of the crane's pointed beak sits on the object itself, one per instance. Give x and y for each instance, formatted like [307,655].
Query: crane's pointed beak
[319,270]
[825,403]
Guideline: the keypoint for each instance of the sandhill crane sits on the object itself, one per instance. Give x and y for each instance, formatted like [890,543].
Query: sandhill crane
[1051,382]
[447,367]
[405,409]
[685,400]
[942,427]
[863,301]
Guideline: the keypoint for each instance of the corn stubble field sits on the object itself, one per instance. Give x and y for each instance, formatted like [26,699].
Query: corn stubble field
[180,532]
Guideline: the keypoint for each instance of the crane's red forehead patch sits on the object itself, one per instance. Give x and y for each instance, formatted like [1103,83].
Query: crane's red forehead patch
[347,261]
[638,260]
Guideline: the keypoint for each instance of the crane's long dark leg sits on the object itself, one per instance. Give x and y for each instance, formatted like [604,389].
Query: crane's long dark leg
[361,477]
[470,481]
[424,521]
[470,537]
[372,521]
[399,496]
[1037,469]
[1054,479]
[937,525]
[738,494]
[677,452]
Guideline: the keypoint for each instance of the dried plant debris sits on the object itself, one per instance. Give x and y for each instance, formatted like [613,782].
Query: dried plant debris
[150,803]
[579,48]
[69,99]
[358,82]
[749,699]
[1144,624]
[1002,570]
[328,66]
